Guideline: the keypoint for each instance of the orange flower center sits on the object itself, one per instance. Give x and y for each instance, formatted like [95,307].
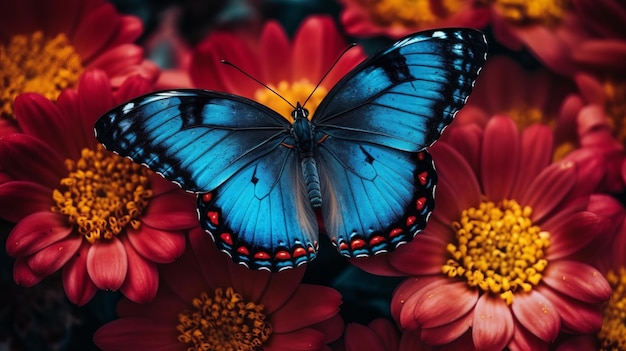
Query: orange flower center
[615,108]
[612,336]
[36,64]
[295,92]
[522,12]
[224,322]
[102,193]
[411,13]
[498,249]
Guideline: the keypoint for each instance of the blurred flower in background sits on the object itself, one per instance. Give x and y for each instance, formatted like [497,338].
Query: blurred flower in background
[525,249]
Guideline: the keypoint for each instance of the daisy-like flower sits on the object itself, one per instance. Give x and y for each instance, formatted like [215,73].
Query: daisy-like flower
[103,220]
[291,68]
[46,45]
[380,334]
[207,302]
[505,244]
[397,18]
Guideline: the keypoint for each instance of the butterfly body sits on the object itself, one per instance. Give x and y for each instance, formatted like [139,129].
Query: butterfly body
[360,162]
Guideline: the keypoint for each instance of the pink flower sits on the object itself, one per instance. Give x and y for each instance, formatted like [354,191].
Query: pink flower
[395,19]
[46,45]
[503,260]
[208,302]
[100,219]
[292,68]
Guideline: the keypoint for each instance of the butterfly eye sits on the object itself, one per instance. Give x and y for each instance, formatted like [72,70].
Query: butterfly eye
[300,112]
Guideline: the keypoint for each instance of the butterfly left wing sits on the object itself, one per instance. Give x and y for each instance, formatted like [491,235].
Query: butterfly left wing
[237,155]
[377,180]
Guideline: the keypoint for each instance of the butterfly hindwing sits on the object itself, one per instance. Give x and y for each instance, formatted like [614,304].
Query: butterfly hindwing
[378,182]
[237,155]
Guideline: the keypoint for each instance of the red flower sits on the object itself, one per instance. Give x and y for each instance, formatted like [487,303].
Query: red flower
[508,242]
[292,68]
[380,334]
[204,297]
[104,221]
[45,46]
[395,19]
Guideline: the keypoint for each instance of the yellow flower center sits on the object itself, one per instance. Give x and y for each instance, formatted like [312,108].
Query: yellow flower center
[102,193]
[410,13]
[224,322]
[543,12]
[295,92]
[615,108]
[36,64]
[612,336]
[498,249]
[525,117]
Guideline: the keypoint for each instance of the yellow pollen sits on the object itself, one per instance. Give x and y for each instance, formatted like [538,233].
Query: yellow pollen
[523,12]
[612,336]
[410,13]
[615,108]
[498,249]
[525,117]
[224,322]
[36,64]
[102,194]
[295,92]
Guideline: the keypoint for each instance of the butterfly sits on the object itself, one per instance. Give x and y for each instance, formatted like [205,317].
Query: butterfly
[360,161]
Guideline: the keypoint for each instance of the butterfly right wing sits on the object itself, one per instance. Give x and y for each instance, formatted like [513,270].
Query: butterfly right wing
[237,155]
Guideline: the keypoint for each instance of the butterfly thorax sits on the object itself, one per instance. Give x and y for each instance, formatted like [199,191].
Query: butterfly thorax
[303,134]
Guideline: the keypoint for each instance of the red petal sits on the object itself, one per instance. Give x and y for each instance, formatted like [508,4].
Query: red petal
[280,288]
[300,340]
[537,314]
[158,246]
[317,38]
[576,316]
[19,199]
[500,158]
[549,189]
[308,305]
[405,291]
[117,59]
[137,333]
[379,264]
[142,279]
[95,31]
[174,210]
[492,328]
[31,160]
[425,254]
[387,332]
[94,99]
[53,257]
[128,30]
[572,234]
[535,142]
[36,232]
[107,264]
[577,280]
[23,275]
[332,328]
[361,338]
[274,53]
[78,286]
[447,333]
[525,340]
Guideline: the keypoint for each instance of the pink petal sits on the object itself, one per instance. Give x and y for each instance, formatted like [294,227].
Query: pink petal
[535,142]
[299,340]
[447,333]
[549,189]
[132,334]
[537,314]
[78,286]
[525,340]
[157,245]
[576,316]
[142,279]
[492,328]
[23,275]
[426,254]
[308,305]
[500,158]
[577,280]
[573,234]
[35,232]
[379,264]
[19,199]
[55,256]
[466,140]
[361,338]
[24,155]
[107,264]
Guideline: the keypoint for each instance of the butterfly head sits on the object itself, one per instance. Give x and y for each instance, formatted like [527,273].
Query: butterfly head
[299,112]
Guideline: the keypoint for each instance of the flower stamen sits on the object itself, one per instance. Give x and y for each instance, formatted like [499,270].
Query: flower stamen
[612,336]
[102,194]
[498,249]
[547,13]
[295,92]
[36,64]
[410,13]
[616,108]
[224,322]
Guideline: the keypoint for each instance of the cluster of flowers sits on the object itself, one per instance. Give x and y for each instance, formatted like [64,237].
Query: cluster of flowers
[526,249]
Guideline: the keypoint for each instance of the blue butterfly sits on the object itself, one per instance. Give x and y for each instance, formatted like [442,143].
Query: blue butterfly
[360,161]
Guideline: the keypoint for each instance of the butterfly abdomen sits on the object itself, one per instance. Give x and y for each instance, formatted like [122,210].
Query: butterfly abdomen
[312,179]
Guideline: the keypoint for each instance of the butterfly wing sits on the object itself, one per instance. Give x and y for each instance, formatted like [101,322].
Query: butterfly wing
[372,128]
[233,152]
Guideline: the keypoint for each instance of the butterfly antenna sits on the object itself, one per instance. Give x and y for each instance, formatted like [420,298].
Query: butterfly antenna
[328,71]
[258,81]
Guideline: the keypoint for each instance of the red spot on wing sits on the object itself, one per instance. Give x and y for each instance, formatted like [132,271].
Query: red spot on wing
[420,156]
[423,177]
[420,203]
[287,146]
[343,246]
[357,243]
[410,220]
[311,249]
[207,197]
[213,216]
[282,255]
[377,240]
[226,238]
[322,139]
[262,255]
[243,250]
[395,232]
